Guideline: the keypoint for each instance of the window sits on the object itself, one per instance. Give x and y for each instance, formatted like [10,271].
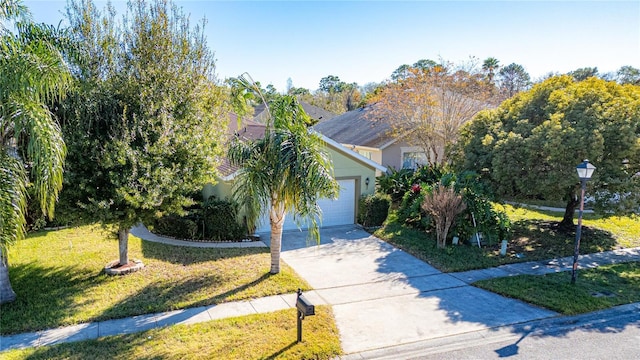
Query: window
[413,159]
[364,153]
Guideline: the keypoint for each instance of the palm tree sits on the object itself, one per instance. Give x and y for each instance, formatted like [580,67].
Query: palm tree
[286,171]
[33,73]
[490,65]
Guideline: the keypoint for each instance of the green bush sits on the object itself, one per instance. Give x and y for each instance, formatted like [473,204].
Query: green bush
[220,221]
[177,227]
[493,224]
[373,210]
[410,211]
[215,220]
[395,183]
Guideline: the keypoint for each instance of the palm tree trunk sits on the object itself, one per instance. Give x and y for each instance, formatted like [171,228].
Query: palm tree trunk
[6,292]
[276,218]
[123,244]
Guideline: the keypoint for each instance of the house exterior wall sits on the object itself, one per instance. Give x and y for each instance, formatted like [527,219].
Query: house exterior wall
[344,168]
[221,190]
[392,155]
[347,168]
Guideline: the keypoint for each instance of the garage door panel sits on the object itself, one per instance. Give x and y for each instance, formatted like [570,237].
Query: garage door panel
[334,212]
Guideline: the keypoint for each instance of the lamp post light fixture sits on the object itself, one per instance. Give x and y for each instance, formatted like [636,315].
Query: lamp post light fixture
[585,170]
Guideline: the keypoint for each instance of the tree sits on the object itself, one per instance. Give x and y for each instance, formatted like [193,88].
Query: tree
[401,73]
[331,84]
[444,205]
[146,125]
[513,79]
[424,64]
[584,73]
[34,74]
[286,171]
[333,95]
[428,107]
[530,145]
[490,65]
[628,75]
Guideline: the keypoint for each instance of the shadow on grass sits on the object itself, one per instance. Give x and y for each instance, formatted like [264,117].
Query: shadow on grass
[189,255]
[531,240]
[543,239]
[281,351]
[45,296]
[157,298]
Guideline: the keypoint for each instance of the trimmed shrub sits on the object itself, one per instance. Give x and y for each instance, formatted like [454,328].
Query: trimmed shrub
[373,210]
[220,221]
[177,227]
[215,220]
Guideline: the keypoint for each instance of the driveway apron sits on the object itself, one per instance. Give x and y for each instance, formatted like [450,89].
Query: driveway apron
[382,296]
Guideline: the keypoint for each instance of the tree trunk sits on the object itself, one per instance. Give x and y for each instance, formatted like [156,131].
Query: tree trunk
[123,244]
[567,221]
[6,292]
[276,217]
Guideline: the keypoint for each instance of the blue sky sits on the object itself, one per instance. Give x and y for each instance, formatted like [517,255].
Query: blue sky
[365,41]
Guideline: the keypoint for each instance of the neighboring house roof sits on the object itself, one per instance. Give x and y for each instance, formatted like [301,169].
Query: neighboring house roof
[358,127]
[248,130]
[251,130]
[316,113]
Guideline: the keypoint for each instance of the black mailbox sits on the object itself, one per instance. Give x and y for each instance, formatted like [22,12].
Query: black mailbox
[305,307]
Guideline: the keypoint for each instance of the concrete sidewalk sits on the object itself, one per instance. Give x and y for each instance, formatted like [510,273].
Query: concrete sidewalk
[382,297]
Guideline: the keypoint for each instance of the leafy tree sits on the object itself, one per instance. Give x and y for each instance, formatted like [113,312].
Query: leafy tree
[424,64]
[513,79]
[34,74]
[401,73]
[490,65]
[530,145]
[299,91]
[286,171]
[145,127]
[628,75]
[333,95]
[331,84]
[584,73]
[428,107]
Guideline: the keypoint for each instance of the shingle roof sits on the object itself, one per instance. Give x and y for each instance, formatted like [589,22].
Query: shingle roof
[249,130]
[357,127]
[316,113]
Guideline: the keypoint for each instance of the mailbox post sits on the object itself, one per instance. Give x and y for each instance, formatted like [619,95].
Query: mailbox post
[305,308]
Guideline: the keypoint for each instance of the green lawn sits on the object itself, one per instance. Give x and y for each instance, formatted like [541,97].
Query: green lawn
[261,336]
[58,279]
[595,289]
[535,237]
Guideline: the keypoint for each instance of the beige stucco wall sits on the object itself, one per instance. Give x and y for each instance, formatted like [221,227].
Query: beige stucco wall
[392,155]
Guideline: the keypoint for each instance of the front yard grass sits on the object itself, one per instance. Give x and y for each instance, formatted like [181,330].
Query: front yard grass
[595,289]
[535,237]
[261,336]
[58,279]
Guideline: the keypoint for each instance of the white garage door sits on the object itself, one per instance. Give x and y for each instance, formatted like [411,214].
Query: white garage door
[334,212]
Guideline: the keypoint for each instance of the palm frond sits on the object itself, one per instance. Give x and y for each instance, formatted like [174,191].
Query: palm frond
[13,198]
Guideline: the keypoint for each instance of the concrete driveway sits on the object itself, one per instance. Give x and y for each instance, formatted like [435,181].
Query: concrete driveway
[383,297]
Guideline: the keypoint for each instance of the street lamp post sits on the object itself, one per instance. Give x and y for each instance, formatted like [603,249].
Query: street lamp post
[585,170]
